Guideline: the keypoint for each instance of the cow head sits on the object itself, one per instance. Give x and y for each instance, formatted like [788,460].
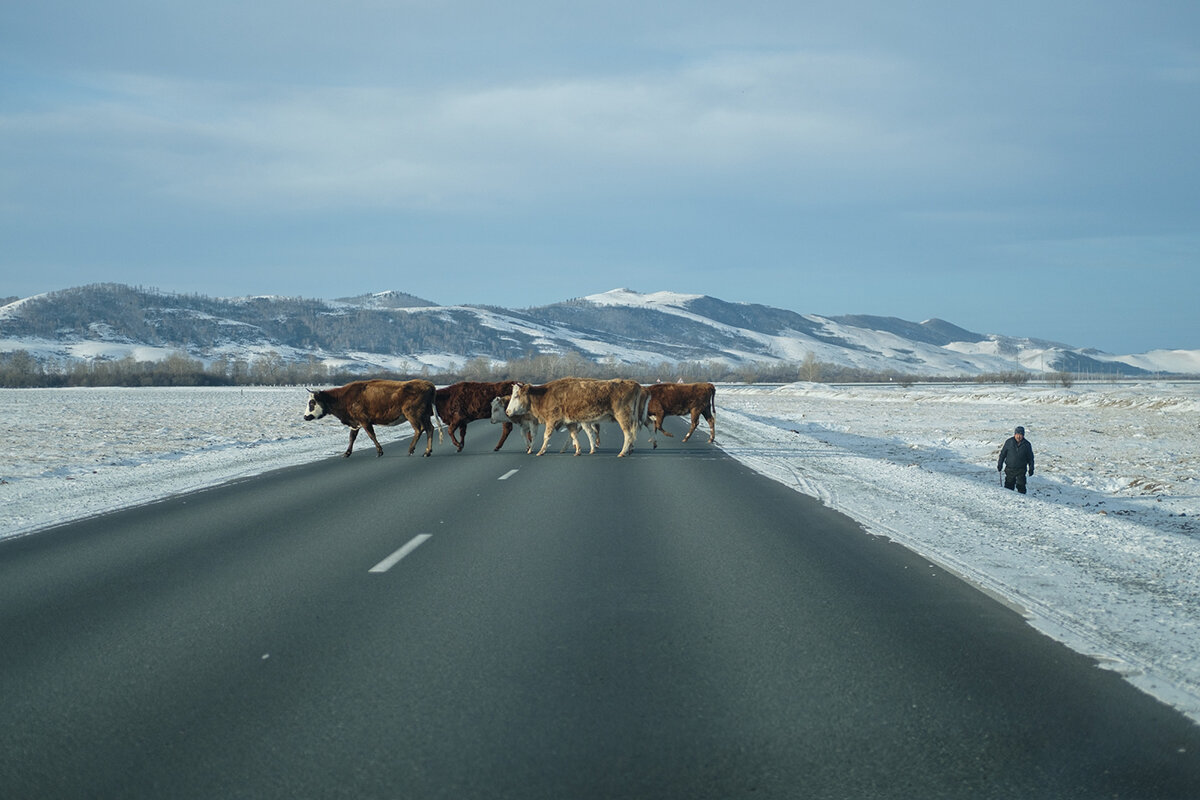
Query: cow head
[315,408]
[498,414]
[518,404]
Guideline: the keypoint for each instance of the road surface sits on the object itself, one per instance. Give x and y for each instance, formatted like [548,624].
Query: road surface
[495,625]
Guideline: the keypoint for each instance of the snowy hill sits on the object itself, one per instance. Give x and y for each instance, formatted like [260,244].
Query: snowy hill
[398,332]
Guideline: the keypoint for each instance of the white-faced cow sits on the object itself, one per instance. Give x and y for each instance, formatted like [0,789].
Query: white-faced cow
[529,424]
[526,421]
[467,401]
[572,402]
[681,399]
[365,404]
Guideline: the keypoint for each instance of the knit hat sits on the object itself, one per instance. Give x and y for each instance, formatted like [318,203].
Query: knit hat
[1019,430]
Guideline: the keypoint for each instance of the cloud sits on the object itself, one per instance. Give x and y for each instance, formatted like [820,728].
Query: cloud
[804,123]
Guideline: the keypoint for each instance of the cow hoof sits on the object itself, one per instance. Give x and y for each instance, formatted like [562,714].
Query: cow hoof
[346,454]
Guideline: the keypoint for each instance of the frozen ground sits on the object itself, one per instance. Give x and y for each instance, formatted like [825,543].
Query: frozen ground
[1102,554]
[71,453]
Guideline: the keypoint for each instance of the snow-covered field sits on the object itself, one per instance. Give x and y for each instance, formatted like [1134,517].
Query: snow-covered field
[1102,554]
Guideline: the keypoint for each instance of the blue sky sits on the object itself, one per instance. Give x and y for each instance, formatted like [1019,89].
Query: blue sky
[1023,168]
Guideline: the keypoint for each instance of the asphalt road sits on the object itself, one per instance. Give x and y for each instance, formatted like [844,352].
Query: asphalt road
[668,625]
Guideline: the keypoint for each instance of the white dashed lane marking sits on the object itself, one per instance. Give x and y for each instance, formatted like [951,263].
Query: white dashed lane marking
[508,475]
[394,558]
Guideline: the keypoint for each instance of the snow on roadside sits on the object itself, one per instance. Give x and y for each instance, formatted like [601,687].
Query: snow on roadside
[73,453]
[1103,554]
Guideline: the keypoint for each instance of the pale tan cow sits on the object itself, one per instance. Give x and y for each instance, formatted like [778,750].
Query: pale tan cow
[526,421]
[572,402]
[529,424]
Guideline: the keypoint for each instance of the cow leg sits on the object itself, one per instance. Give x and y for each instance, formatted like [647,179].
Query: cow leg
[371,432]
[593,434]
[630,432]
[418,429]
[350,447]
[422,426]
[428,424]
[573,429]
[462,428]
[695,422]
[546,438]
[712,427]
[505,430]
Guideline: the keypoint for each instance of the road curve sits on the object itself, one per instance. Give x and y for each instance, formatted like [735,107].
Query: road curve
[497,625]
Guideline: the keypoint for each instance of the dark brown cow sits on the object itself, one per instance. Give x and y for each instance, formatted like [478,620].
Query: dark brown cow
[364,404]
[681,399]
[573,402]
[467,401]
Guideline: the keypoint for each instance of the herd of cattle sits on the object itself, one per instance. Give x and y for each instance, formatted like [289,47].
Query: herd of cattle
[571,403]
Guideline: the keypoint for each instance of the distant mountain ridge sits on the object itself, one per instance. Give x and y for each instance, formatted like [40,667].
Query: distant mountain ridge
[398,332]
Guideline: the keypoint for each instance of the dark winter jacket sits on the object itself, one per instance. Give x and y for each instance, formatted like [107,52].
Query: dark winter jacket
[1016,458]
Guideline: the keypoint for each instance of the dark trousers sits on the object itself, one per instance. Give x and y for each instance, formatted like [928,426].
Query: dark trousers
[1015,480]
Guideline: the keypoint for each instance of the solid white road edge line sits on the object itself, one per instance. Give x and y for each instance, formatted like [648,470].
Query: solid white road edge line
[508,474]
[394,558]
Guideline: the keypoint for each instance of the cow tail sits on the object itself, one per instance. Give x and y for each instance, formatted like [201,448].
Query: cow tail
[435,419]
[712,409]
[644,411]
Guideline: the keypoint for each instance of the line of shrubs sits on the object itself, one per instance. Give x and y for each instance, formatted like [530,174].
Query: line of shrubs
[21,369]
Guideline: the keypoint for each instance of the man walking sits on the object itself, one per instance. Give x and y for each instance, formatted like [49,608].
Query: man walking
[1016,457]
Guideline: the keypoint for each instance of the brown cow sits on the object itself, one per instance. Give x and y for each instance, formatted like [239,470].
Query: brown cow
[680,399]
[467,401]
[573,402]
[364,404]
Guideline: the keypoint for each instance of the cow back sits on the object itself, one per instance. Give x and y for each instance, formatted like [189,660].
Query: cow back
[384,402]
[584,399]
